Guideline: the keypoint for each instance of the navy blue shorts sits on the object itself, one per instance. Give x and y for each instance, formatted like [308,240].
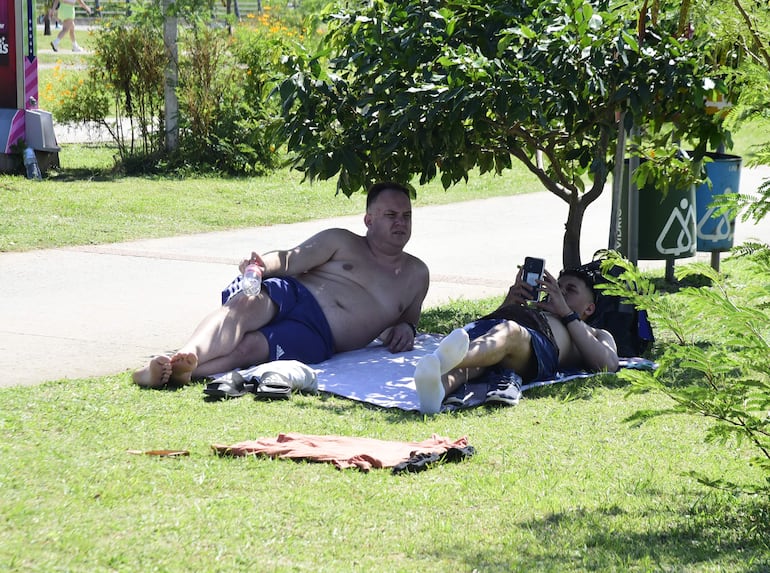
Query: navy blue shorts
[300,330]
[546,353]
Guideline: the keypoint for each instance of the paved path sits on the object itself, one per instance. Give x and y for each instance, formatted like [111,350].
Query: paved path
[97,310]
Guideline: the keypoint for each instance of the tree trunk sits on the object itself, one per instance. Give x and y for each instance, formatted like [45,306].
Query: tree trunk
[171,102]
[46,25]
[571,246]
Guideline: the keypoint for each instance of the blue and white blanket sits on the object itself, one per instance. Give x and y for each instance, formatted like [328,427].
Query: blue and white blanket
[376,376]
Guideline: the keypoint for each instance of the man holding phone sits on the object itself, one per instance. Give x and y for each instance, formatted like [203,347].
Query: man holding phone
[536,331]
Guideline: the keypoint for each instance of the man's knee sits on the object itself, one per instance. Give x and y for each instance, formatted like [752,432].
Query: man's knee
[257,310]
[239,303]
[515,333]
[252,349]
[517,340]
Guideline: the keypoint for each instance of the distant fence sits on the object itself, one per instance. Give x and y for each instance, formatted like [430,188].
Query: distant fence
[113,8]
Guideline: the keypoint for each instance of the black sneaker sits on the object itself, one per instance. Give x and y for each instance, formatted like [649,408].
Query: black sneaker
[53,46]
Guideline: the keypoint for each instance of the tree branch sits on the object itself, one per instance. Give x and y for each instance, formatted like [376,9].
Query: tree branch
[758,41]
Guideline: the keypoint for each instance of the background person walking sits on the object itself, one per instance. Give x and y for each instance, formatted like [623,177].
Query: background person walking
[66,10]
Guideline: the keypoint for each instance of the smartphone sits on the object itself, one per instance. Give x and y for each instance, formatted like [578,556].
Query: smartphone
[533,272]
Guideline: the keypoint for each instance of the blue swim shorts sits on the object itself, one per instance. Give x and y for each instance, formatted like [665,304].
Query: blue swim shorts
[546,353]
[300,330]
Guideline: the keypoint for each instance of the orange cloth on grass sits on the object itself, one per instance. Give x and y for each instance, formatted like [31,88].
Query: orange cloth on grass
[343,452]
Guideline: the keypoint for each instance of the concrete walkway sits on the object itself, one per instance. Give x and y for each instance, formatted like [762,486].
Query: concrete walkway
[97,310]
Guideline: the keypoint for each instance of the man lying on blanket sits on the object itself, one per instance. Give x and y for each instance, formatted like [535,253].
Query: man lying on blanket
[534,339]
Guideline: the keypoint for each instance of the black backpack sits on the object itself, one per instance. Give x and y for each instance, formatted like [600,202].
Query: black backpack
[628,325]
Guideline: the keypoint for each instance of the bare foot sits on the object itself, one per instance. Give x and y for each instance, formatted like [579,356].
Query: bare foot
[156,374]
[182,366]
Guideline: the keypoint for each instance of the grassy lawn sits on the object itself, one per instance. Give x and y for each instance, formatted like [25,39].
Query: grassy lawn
[82,205]
[561,482]
[84,35]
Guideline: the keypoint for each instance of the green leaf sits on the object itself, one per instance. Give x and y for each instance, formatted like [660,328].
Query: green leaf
[527,32]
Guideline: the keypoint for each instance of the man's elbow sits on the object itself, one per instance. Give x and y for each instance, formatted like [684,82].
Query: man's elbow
[612,364]
[609,363]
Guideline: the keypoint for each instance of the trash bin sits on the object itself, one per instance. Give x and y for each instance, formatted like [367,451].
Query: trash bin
[717,233]
[667,225]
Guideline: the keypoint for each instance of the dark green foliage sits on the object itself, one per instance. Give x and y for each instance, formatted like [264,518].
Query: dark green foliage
[745,26]
[436,88]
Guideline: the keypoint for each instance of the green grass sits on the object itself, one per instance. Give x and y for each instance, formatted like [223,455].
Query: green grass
[749,138]
[81,205]
[561,482]
[84,203]
[53,67]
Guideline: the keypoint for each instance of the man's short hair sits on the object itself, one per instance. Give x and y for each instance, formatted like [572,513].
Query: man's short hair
[583,276]
[377,188]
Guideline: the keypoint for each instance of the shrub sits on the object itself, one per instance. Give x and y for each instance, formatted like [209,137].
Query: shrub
[727,381]
[224,88]
[130,61]
[74,97]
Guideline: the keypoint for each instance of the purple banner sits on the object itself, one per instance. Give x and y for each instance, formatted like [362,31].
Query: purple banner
[8,59]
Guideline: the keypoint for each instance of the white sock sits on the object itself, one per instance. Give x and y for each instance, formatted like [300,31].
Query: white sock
[427,379]
[452,349]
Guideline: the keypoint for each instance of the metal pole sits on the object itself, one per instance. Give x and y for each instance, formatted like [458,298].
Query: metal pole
[670,271]
[716,255]
[613,242]
[632,221]
[715,260]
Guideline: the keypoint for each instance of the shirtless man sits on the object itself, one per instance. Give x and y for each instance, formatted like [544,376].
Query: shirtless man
[336,291]
[534,343]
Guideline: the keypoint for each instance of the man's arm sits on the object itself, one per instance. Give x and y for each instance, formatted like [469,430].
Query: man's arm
[308,255]
[597,347]
[519,292]
[400,336]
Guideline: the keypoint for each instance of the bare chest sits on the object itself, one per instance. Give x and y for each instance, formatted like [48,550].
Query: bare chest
[362,284]
[569,355]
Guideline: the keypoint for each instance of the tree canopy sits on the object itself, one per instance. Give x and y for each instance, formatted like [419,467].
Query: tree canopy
[437,88]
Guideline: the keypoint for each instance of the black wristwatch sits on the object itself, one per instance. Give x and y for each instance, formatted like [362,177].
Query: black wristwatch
[572,316]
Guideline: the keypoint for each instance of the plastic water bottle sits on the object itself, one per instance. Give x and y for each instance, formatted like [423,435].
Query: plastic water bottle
[30,162]
[252,279]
